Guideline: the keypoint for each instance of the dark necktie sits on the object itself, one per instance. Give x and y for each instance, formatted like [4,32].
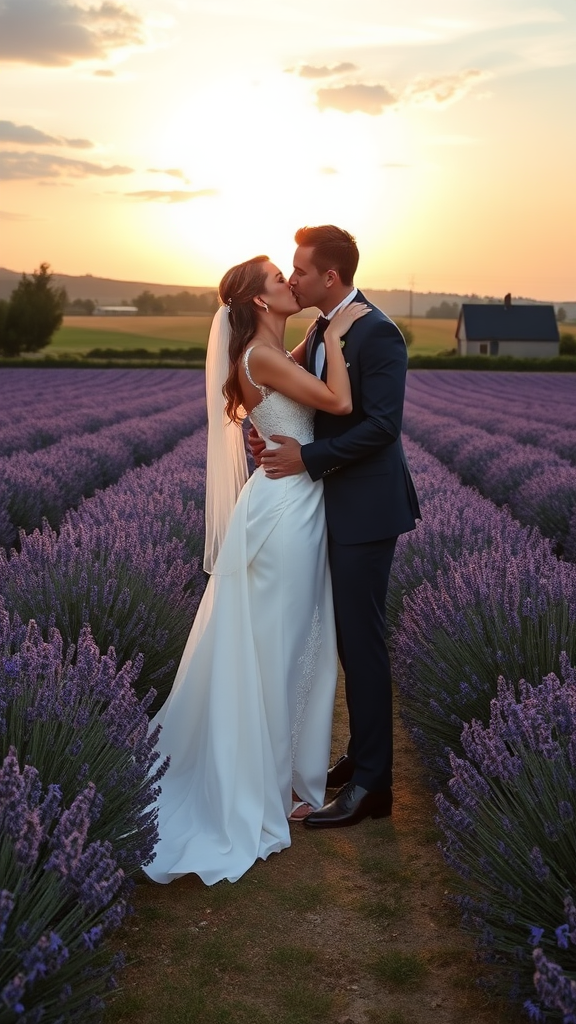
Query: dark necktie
[319,329]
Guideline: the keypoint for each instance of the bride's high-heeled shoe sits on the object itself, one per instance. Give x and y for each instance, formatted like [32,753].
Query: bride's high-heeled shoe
[300,810]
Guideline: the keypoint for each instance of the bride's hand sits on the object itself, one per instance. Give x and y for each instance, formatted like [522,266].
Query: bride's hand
[342,322]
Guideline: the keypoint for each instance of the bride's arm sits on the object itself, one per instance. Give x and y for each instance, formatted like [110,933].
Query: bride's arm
[299,353]
[269,367]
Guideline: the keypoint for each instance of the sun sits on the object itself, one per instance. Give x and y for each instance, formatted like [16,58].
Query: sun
[274,162]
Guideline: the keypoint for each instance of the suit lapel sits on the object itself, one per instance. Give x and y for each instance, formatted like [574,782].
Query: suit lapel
[309,339]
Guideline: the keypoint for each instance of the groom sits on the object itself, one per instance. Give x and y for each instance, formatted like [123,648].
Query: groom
[369,499]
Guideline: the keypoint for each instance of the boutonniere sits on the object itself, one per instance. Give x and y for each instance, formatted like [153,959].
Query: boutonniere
[342,342]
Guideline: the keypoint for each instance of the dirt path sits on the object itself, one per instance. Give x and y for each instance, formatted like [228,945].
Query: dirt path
[350,926]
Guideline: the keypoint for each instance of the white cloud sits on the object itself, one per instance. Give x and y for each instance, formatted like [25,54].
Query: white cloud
[16,166]
[151,195]
[367,99]
[172,172]
[61,32]
[29,136]
[311,71]
[443,89]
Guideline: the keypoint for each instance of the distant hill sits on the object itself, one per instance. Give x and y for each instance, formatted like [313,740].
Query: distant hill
[107,291]
[103,290]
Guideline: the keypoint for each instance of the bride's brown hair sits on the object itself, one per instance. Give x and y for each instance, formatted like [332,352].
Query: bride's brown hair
[237,290]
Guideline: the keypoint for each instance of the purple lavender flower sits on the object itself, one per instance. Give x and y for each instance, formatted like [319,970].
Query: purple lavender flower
[6,908]
[13,993]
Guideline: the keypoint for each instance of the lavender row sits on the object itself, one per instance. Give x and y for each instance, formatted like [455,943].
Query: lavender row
[43,485]
[77,778]
[538,486]
[127,561]
[76,403]
[501,415]
[20,387]
[476,597]
[546,399]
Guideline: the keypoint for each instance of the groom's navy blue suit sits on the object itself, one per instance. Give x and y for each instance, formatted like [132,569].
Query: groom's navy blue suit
[370,499]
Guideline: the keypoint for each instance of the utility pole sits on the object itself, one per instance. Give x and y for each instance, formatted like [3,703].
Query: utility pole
[410,306]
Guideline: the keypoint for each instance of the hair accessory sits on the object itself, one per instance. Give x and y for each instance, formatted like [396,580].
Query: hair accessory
[229,303]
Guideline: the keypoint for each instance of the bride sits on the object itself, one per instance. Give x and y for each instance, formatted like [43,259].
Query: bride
[247,723]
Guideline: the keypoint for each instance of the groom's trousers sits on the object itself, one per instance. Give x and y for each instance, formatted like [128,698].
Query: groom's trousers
[360,574]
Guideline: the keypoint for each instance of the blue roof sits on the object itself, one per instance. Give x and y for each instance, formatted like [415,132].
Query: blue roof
[493,322]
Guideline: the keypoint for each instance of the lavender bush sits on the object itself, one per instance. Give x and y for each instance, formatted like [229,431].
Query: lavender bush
[456,522]
[489,613]
[128,561]
[473,595]
[76,786]
[509,828]
[555,986]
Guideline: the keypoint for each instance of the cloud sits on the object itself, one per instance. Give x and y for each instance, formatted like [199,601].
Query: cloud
[15,166]
[367,99]
[151,195]
[373,99]
[328,170]
[29,136]
[395,167]
[173,172]
[6,215]
[310,71]
[60,32]
[446,89]
[105,73]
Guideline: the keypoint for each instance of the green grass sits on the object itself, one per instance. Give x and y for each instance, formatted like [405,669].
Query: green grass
[80,334]
[399,969]
[391,908]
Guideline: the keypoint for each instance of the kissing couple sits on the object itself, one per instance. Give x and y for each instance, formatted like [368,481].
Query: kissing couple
[299,557]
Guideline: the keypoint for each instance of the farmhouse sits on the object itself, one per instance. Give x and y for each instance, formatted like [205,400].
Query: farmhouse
[115,311]
[507,330]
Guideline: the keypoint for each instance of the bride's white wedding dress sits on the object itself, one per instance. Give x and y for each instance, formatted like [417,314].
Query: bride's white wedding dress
[250,712]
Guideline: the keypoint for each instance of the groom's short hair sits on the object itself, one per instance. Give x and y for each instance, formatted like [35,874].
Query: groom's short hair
[334,249]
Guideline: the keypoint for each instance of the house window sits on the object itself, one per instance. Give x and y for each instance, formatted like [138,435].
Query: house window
[483,348]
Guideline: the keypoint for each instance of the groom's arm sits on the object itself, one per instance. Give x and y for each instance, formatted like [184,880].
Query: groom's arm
[383,362]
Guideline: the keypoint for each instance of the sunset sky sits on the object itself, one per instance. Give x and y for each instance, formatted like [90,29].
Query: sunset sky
[164,140]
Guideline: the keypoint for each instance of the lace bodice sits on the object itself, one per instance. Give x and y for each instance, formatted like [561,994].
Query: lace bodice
[277,414]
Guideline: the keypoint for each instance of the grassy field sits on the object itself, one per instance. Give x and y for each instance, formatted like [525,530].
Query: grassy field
[81,333]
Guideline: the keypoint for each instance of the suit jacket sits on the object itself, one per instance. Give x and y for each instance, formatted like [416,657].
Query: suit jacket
[368,491]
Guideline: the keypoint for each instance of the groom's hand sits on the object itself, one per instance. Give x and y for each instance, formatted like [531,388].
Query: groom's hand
[285,460]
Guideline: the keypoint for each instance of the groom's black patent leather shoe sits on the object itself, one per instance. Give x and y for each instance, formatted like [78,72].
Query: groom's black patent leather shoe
[340,773]
[352,804]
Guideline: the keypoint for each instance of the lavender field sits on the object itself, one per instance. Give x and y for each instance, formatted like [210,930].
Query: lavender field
[512,438]
[101,534]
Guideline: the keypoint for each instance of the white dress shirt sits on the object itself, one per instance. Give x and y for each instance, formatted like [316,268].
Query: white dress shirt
[321,350]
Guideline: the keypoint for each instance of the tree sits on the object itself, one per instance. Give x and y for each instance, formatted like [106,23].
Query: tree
[561,315]
[568,345]
[148,304]
[84,307]
[406,331]
[445,311]
[34,312]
